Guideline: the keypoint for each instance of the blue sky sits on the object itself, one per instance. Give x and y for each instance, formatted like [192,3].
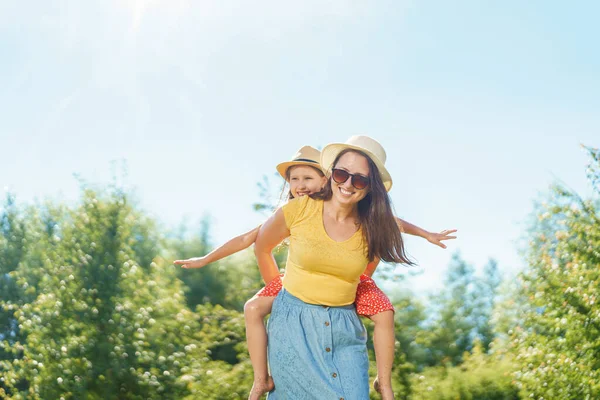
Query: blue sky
[480,105]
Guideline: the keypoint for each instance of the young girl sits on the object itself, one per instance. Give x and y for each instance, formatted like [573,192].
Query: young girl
[305,176]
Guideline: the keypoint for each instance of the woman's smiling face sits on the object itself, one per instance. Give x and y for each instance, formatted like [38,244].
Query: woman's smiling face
[355,164]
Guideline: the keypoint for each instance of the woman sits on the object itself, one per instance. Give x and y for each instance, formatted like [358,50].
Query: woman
[317,344]
[304,176]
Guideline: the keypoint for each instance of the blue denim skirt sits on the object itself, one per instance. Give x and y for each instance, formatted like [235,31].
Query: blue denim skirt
[316,352]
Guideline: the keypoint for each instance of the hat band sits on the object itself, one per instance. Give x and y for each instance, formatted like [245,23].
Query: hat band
[305,160]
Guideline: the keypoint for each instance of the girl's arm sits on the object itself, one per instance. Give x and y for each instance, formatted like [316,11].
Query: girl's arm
[431,237]
[271,233]
[236,244]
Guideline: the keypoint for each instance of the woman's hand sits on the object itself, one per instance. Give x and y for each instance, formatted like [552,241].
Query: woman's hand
[436,238]
[196,262]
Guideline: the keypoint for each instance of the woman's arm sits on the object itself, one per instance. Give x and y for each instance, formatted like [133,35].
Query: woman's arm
[236,244]
[431,237]
[271,233]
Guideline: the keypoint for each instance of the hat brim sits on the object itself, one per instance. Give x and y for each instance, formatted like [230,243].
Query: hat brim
[283,167]
[331,151]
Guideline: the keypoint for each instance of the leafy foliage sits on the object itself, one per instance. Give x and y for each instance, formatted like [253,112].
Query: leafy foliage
[558,341]
[92,308]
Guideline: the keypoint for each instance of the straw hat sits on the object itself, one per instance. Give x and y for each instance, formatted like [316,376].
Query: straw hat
[367,145]
[307,155]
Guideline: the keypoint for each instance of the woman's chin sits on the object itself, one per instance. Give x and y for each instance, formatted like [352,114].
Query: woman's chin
[342,199]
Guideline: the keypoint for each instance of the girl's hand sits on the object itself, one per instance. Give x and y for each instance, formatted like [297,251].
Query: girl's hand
[196,262]
[436,238]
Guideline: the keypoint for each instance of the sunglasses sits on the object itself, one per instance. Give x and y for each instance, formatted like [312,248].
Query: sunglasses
[358,181]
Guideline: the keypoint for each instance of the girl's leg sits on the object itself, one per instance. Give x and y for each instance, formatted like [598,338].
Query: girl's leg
[371,302]
[384,344]
[255,311]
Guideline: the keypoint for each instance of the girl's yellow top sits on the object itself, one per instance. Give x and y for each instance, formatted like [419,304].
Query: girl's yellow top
[320,270]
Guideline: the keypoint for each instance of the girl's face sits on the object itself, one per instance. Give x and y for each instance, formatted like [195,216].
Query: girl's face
[305,180]
[355,164]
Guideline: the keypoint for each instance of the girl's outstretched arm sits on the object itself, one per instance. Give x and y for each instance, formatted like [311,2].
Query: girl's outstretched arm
[431,237]
[234,245]
[271,233]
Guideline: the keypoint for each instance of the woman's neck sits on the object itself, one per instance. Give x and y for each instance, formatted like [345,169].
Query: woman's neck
[340,212]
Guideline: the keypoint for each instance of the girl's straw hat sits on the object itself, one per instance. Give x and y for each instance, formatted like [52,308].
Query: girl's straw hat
[367,145]
[307,155]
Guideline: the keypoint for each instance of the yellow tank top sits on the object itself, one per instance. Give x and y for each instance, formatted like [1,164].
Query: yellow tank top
[320,270]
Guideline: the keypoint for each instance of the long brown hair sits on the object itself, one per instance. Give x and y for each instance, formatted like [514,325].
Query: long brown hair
[375,216]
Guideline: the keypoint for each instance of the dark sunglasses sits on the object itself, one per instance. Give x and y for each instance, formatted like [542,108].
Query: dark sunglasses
[358,181]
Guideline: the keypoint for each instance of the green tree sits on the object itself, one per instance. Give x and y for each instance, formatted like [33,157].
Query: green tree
[452,328]
[486,289]
[225,371]
[410,321]
[12,248]
[558,342]
[480,377]
[102,326]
